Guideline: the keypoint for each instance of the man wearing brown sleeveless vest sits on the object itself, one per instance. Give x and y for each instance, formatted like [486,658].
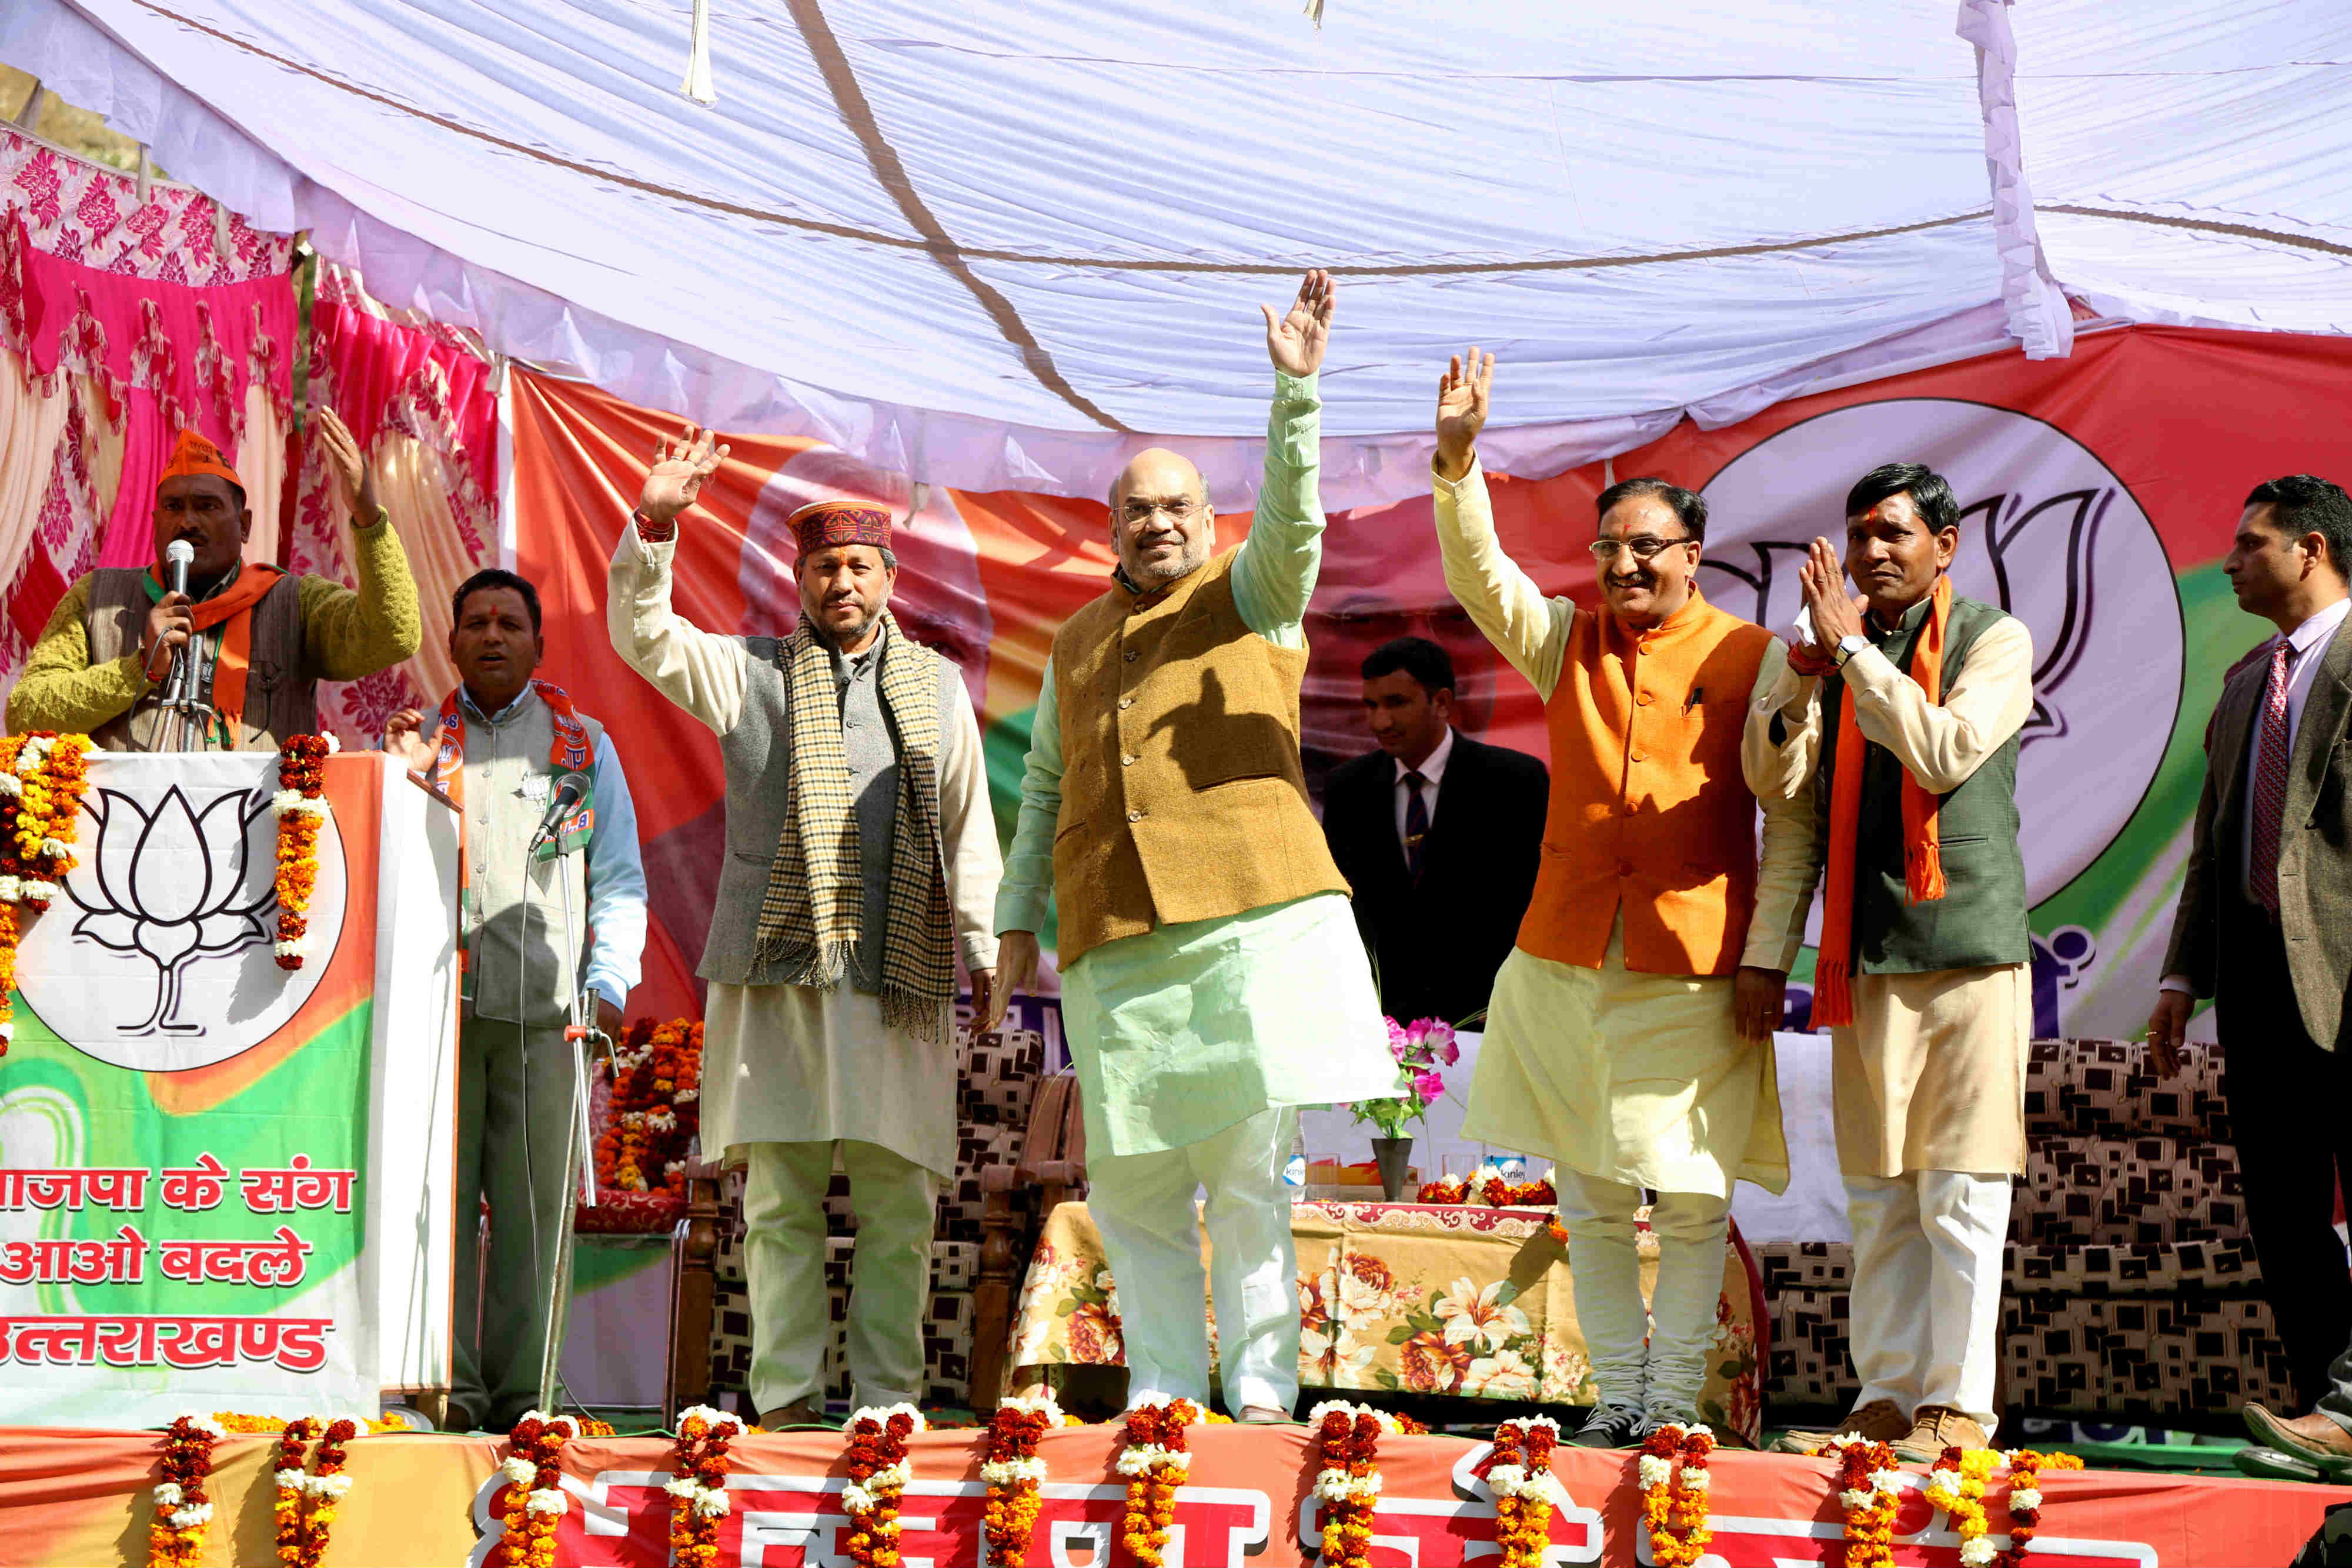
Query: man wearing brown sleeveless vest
[264,639]
[1212,977]
[1630,1033]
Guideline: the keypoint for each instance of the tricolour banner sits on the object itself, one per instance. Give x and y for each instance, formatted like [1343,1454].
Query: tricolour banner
[2099,495]
[203,1153]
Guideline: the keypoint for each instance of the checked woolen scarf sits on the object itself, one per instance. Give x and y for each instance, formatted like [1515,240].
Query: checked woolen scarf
[809,917]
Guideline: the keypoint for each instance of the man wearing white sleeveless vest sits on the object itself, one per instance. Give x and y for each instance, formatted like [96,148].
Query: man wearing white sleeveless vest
[861,865]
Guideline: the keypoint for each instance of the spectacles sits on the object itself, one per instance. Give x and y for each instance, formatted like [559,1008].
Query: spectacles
[1645,546]
[1179,511]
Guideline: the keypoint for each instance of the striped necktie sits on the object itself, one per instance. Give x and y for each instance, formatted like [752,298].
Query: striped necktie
[2270,782]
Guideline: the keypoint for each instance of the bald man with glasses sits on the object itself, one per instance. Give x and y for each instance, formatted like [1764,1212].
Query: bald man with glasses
[1630,1035]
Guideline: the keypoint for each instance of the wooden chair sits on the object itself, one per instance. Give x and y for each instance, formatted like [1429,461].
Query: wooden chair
[693,1289]
[1052,1164]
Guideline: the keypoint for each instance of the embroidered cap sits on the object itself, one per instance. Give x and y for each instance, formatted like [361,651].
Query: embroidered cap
[822,524]
[195,455]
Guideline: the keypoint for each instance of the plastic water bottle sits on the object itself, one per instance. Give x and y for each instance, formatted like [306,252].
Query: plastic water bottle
[1294,1170]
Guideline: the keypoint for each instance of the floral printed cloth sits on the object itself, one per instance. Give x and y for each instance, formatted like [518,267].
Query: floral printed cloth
[1426,1299]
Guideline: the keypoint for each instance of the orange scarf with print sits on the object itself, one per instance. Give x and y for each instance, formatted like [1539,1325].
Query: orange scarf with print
[233,604]
[1922,856]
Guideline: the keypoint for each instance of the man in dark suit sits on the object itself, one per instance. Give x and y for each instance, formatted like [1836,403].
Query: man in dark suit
[2265,920]
[1439,836]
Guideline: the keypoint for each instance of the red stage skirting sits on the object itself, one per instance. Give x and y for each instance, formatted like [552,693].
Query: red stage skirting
[81,1498]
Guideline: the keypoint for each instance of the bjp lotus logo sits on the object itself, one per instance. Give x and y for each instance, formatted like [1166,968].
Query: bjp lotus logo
[168,882]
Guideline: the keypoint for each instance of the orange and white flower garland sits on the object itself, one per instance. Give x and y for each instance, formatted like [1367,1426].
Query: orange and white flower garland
[2025,1468]
[43,777]
[878,1474]
[301,807]
[1348,1486]
[1014,1474]
[1519,1472]
[1155,1460]
[534,1504]
[1869,1479]
[306,1503]
[1955,1483]
[183,1509]
[1674,1496]
[697,1488]
[655,1106]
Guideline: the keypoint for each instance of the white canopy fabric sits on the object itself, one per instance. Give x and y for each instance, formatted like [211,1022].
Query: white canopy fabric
[1001,244]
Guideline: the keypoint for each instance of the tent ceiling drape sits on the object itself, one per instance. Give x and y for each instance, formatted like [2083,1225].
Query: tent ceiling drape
[999,243]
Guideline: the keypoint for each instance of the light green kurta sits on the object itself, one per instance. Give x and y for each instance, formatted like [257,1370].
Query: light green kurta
[1189,1028]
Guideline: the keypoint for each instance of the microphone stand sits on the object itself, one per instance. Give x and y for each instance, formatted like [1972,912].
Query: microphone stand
[180,702]
[579,1163]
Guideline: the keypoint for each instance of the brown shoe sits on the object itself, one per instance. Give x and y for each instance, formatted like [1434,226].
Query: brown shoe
[1879,1421]
[799,1412]
[1934,1429]
[2314,1437]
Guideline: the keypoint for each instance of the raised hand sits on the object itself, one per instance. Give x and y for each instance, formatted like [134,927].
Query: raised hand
[1462,396]
[679,468]
[344,454]
[1836,617]
[1296,341]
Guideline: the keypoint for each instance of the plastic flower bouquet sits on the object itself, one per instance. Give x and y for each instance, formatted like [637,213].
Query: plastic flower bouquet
[1423,1049]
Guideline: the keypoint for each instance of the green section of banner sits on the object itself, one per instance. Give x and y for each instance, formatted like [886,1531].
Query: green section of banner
[313,1104]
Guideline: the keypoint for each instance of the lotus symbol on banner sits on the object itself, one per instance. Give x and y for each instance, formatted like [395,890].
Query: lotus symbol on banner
[170,884]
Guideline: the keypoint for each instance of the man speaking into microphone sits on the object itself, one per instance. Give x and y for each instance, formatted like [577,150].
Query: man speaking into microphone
[553,898]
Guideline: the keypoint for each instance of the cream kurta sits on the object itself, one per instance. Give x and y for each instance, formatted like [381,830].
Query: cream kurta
[1633,1078]
[1931,1073]
[793,1063]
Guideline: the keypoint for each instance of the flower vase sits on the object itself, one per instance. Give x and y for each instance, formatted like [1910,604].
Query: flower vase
[1391,1154]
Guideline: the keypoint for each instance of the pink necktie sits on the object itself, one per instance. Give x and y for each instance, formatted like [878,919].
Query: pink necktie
[2270,782]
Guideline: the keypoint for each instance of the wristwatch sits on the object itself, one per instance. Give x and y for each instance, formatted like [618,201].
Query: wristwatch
[1848,646]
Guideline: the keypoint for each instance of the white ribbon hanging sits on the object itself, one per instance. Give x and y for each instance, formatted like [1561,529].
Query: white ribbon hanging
[697,85]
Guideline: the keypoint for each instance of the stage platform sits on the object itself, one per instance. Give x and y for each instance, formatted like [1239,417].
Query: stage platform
[70,1497]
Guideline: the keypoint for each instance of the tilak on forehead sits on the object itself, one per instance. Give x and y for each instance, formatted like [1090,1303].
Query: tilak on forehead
[821,525]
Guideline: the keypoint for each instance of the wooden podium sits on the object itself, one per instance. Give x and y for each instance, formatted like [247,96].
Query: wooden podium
[224,1184]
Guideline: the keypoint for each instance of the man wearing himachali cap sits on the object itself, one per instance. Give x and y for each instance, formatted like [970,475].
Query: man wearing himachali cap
[861,865]
[267,638]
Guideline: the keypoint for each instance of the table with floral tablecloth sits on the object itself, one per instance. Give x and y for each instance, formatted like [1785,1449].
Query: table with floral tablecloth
[1467,1302]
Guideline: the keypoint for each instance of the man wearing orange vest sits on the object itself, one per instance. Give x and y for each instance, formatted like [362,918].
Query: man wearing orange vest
[1630,1035]
[264,638]
[1905,705]
[1213,981]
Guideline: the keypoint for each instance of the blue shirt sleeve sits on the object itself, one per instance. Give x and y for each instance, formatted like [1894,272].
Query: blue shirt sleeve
[616,884]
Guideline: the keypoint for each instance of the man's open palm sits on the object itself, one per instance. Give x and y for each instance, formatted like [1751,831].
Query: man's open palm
[1462,400]
[1295,342]
[679,468]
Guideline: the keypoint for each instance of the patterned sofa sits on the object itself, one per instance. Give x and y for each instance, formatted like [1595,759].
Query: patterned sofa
[998,1080]
[2131,1288]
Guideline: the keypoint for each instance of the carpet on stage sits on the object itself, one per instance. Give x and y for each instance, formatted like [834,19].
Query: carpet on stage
[82,1498]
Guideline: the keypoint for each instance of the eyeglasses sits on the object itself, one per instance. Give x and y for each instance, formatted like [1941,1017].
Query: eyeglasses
[1179,511]
[1645,546]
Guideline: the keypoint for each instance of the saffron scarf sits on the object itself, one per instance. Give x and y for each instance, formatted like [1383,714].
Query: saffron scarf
[810,916]
[1922,856]
[233,604]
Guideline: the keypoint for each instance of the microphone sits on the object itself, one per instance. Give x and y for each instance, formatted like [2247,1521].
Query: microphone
[178,556]
[570,790]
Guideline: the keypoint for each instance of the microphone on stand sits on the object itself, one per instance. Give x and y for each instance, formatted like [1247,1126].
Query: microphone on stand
[178,556]
[570,790]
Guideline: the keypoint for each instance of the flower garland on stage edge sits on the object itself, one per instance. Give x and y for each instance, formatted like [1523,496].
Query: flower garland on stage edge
[306,1504]
[1155,1460]
[654,1110]
[1674,1505]
[175,1539]
[1519,1472]
[2025,1468]
[43,777]
[1348,1487]
[1868,1478]
[301,806]
[1014,1473]
[878,1474]
[697,1489]
[1955,1483]
[534,1503]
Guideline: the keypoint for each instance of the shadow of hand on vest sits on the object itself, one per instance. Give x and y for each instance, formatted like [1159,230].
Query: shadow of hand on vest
[1210,744]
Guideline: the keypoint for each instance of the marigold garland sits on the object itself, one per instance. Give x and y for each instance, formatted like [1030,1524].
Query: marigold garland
[292,1446]
[1955,1483]
[306,1504]
[176,1537]
[534,1503]
[654,1108]
[878,1474]
[1154,1459]
[1014,1473]
[1348,1487]
[1869,1478]
[301,807]
[1491,1187]
[43,777]
[1519,1472]
[270,1425]
[1675,1498]
[697,1488]
[2025,1468]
